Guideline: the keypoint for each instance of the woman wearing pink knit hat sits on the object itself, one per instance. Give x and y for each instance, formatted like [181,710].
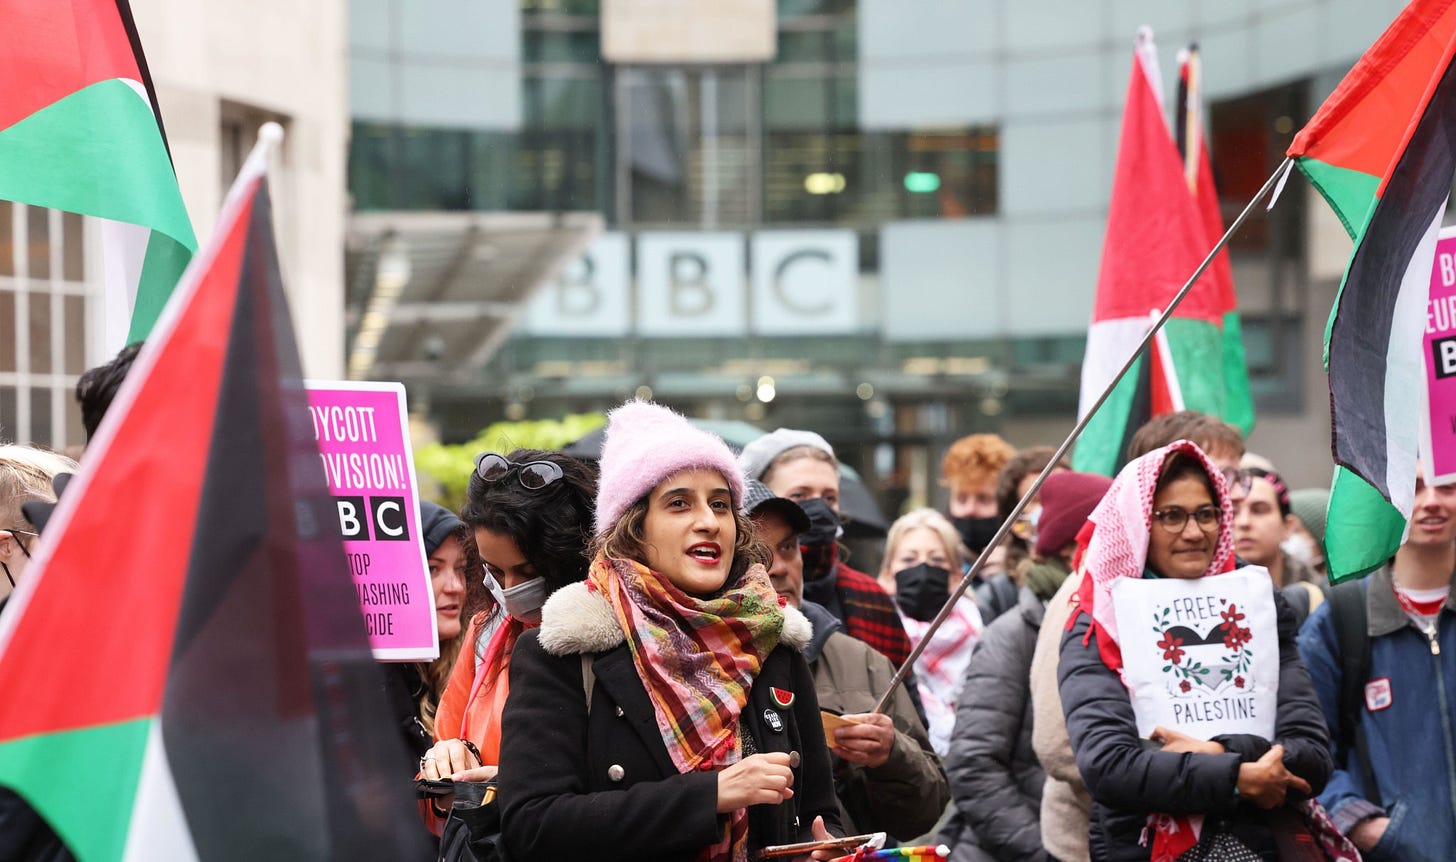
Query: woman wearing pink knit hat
[663,709]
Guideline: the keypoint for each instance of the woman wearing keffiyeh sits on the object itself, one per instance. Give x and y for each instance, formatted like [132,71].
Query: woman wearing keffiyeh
[663,709]
[1168,515]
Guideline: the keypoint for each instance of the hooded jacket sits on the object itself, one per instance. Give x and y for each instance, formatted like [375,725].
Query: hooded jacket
[905,795]
[996,780]
[1411,737]
[579,782]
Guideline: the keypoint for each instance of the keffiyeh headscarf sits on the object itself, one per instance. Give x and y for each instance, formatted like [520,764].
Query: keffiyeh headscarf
[1117,533]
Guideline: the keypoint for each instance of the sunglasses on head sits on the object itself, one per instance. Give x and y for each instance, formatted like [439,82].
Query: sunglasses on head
[533,475]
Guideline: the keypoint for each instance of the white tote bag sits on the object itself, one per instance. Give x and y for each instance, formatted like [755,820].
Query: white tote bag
[1200,656]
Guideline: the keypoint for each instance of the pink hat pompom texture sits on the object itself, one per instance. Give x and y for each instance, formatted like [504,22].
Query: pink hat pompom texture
[645,444]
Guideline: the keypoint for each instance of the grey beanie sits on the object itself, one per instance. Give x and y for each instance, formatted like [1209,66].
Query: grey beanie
[756,456]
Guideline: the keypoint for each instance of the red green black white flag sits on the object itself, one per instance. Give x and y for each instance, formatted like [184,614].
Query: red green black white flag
[219,699]
[1155,239]
[80,131]
[1382,150]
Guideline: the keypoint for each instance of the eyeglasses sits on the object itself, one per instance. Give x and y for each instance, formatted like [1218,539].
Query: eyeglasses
[533,475]
[1238,480]
[1175,518]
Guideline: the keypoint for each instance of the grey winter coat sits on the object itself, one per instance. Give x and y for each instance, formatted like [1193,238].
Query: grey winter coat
[995,778]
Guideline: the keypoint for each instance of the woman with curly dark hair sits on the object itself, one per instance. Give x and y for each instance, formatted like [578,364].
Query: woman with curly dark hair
[531,513]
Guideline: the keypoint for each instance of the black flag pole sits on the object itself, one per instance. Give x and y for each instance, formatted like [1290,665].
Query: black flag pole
[1005,528]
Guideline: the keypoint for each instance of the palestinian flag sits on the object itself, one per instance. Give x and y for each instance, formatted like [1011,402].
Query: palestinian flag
[1238,406]
[1155,240]
[219,700]
[80,131]
[1381,150]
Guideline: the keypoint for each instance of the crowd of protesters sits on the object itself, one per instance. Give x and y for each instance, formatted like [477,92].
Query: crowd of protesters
[665,655]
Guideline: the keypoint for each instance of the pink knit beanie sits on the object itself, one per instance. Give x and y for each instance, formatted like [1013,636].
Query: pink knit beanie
[645,444]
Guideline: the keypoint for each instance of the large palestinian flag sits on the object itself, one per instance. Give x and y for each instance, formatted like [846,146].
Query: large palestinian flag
[1155,240]
[1381,150]
[80,131]
[186,671]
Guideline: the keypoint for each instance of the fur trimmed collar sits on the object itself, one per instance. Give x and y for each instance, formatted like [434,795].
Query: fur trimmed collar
[576,620]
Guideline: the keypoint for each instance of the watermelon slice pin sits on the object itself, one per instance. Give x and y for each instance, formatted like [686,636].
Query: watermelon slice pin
[783,697]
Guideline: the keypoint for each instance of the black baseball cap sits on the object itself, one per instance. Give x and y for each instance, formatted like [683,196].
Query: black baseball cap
[758,498]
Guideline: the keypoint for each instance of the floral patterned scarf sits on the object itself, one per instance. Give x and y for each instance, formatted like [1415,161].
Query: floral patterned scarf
[697,658]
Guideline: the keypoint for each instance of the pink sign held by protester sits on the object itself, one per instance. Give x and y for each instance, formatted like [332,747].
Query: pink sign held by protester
[1438,419]
[363,439]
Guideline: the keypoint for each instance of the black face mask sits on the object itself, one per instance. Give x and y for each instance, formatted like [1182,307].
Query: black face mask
[921,591]
[819,544]
[977,532]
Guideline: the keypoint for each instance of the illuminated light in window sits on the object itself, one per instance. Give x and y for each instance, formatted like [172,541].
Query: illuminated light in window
[921,182]
[824,184]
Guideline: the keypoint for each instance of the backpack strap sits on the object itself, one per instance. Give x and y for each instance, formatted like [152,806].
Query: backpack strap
[588,678]
[1347,612]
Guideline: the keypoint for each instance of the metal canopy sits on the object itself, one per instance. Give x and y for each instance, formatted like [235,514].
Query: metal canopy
[432,295]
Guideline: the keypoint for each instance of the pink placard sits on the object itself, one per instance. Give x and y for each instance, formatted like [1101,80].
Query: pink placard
[1438,419]
[363,439]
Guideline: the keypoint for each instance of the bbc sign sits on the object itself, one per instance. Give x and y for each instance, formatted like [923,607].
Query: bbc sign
[706,283]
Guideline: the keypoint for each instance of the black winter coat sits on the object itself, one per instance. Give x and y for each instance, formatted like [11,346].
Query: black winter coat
[576,784]
[995,778]
[1128,781]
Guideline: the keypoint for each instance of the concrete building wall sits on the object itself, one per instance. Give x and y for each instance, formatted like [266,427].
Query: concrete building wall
[220,70]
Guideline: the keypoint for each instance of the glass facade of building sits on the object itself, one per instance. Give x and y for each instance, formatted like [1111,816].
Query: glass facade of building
[935,178]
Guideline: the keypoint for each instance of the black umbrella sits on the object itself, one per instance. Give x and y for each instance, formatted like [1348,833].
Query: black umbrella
[857,507]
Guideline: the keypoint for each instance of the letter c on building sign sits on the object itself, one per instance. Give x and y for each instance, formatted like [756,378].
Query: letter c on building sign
[789,302]
[691,292]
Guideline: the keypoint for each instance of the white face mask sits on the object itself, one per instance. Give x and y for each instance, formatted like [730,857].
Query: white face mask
[523,601]
[1301,548]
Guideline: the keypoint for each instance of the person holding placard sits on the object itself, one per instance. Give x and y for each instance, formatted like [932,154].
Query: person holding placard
[1190,712]
[663,710]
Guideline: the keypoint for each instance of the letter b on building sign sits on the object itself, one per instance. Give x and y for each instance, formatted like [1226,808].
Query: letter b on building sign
[1443,351]
[690,284]
[590,295]
[805,282]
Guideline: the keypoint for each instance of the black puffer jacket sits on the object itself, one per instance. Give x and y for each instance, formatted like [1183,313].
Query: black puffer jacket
[995,778]
[1128,781]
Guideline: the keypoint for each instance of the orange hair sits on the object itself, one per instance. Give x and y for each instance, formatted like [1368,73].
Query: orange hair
[975,460]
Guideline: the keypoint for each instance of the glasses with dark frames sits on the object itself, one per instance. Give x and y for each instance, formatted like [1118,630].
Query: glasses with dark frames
[1175,518]
[533,475]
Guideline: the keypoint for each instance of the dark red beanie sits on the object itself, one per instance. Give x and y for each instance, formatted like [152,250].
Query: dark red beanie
[1067,498]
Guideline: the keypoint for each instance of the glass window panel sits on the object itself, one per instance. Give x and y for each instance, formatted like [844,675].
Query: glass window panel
[558,46]
[75,323]
[7,239]
[7,330]
[9,416]
[75,431]
[559,102]
[74,262]
[40,333]
[37,220]
[40,416]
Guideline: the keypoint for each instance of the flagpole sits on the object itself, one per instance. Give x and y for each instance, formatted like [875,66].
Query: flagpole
[1055,460]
